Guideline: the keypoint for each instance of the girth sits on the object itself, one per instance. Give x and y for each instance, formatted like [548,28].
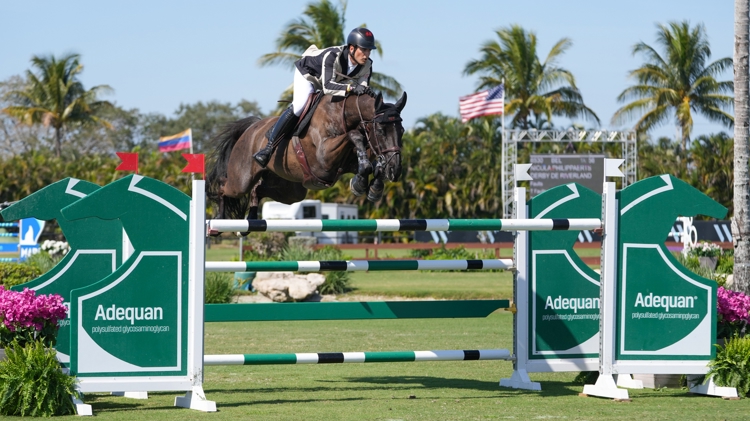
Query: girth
[311,181]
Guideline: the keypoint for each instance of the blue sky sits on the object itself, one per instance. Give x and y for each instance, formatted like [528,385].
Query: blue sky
[158,54]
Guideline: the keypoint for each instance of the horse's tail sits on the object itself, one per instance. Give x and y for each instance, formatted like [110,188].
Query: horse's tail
[234,208]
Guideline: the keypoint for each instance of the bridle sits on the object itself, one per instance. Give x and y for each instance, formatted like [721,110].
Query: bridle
[367,127]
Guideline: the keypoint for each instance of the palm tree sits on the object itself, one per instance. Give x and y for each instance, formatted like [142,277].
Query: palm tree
[678,83]
[56,98]
[741,220]
[712,163]
[322,24]
[535,90]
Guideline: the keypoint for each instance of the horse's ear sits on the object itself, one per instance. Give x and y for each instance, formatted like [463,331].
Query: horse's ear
[401,102]
[378,101]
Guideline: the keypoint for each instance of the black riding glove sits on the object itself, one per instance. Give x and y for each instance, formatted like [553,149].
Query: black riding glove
[360,89]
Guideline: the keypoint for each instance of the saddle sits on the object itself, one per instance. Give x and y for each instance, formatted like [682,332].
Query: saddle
[304,119]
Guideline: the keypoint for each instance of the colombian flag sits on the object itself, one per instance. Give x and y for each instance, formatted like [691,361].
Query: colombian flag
[176,142]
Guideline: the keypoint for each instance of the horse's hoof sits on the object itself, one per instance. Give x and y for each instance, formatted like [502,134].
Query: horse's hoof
[213,233]
[374,196]
[354,188]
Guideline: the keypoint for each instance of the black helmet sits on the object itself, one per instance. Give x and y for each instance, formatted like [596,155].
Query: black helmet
[361,37]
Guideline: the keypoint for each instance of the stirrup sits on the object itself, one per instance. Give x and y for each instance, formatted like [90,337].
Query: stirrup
[263,156]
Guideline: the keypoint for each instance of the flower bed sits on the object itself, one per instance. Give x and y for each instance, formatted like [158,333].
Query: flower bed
[27,317]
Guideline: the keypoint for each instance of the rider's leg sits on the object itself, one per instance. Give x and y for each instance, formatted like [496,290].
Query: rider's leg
[288,119]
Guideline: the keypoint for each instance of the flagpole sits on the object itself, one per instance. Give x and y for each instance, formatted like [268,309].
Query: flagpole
[502,153]
[502,121]
[190,135]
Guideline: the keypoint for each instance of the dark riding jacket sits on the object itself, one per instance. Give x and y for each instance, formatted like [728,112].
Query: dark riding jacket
[324,69]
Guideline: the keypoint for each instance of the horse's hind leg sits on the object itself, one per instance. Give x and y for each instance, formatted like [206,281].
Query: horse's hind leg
[252,211]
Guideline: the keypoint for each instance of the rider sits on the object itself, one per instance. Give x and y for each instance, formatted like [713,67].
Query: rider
[338,71]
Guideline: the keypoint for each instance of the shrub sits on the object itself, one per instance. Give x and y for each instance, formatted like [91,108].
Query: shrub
[27,317]
[33,384]
[731,367]
[218,288]
[266,244]
[420,253]
[705,249]
[726,264]
[295,252]
[42,261]
[337,282]
[460,253]
[12,274]
[693,264]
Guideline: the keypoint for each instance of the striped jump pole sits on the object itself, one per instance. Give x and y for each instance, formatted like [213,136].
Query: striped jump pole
[357,357]
[8,259]
[8,224]
[8,234]
[383,225]
[358,265]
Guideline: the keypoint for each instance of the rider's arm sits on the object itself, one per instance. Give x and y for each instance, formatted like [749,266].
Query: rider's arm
[328,75]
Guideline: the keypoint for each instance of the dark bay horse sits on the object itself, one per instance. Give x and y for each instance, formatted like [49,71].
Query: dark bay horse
[358,134]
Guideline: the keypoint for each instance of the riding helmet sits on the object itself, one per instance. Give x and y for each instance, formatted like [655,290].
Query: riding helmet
[361,37]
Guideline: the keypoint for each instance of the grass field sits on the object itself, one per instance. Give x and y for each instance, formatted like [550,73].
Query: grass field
[396,391]
[399,391]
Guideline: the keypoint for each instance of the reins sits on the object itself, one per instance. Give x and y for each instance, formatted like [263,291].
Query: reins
[367,127]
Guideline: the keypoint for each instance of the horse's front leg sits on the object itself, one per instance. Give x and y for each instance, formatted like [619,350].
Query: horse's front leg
[378,183]
[358,184]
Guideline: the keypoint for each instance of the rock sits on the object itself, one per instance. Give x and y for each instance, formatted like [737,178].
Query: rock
[284,287]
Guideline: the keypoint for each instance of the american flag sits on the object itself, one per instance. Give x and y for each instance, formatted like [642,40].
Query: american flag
[487,102]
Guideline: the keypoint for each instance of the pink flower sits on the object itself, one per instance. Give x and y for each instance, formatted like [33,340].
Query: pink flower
[24,314]
[733,306]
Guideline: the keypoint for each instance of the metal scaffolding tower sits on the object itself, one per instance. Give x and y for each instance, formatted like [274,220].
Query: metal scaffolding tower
[510,153]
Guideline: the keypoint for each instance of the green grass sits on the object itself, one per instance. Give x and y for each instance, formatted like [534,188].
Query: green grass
[398,391]
[454,285]
[440,390]
[229,250]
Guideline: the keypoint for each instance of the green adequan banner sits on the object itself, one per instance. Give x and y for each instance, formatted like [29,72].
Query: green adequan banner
[665,312]
[564,311]
[95,246]
[133,322]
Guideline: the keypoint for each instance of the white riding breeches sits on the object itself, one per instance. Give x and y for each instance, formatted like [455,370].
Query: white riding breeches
[302,89]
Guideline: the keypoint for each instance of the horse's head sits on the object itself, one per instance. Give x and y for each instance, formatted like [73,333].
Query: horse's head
[385,136]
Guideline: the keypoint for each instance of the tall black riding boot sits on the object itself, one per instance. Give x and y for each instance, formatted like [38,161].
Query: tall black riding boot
[284,125]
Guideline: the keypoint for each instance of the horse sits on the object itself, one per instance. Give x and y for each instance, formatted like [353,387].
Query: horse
[313,159]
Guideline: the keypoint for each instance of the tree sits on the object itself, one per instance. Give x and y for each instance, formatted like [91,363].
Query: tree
[323,25]
[535,90]
[17,138]
[678,83]
[56,98]
[712,167]
[741,221]
[205,119]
